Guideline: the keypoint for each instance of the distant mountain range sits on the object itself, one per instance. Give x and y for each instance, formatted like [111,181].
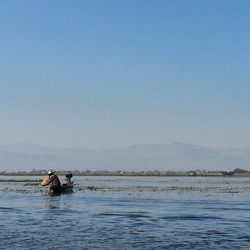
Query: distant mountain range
[175,156]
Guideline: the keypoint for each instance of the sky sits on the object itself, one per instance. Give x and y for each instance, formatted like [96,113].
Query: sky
[112,73]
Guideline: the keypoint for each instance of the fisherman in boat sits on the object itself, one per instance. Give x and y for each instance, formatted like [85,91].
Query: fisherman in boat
[53,181]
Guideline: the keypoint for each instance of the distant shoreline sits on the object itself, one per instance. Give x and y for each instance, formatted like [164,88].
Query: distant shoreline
[235,173]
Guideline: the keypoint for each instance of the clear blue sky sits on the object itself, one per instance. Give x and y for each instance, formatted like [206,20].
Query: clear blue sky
[107,73]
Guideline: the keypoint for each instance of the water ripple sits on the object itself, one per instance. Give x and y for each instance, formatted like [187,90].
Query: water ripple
[127,217]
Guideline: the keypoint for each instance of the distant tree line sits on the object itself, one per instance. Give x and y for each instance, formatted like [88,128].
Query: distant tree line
[235,172]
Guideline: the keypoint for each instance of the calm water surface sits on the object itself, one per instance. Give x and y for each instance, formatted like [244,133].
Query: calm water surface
[128,213]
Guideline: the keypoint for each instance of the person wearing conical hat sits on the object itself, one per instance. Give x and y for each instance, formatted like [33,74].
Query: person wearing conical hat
[53,181]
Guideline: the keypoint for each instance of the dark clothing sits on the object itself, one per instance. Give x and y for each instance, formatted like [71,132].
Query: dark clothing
[55,190]
[54,181]
[55,185]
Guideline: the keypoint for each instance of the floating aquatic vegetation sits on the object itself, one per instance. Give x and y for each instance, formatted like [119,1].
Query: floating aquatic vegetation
[209,186]
[32,184]
[21,180]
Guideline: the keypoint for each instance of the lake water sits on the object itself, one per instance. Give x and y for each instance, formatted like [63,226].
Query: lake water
[128,213]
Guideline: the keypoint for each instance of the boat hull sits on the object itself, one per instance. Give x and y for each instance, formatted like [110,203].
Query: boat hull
[63,189]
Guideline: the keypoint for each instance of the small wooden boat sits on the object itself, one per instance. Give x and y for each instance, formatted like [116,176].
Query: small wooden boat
[67,188]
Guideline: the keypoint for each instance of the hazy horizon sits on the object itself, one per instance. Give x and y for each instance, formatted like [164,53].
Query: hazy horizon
[115,147]
[140,157]
[107,74]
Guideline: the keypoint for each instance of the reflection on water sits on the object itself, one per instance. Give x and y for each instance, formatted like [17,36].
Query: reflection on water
[128,213]
[52,202]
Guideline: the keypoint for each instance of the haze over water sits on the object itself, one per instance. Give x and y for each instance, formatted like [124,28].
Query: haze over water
[104,74]
[115,73]
[128,213]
